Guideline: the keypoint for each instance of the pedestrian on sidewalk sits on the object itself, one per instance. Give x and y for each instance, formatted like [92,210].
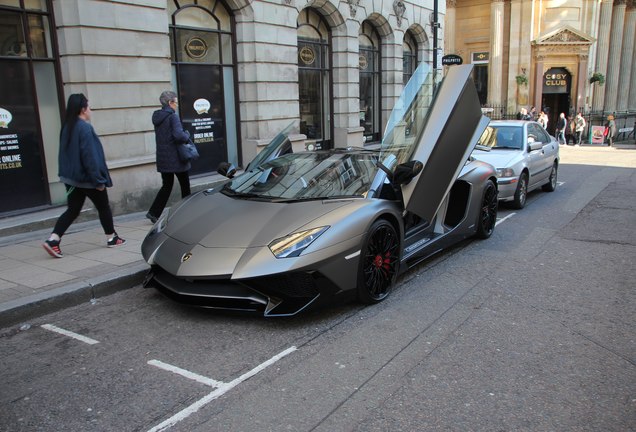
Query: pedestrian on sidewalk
[561,126]
[579,128]
[169,133]
[83,170]
[610,130]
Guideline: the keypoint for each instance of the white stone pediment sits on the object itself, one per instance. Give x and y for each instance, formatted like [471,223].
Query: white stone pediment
[565,35]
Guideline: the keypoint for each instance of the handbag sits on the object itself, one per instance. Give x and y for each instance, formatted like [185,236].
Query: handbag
[187,151]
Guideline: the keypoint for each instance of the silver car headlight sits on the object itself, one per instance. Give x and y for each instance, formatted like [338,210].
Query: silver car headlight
[294,244]
[505,172]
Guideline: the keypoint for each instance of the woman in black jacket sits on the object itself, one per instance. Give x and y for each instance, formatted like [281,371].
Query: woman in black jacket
[83,170]
[169,134]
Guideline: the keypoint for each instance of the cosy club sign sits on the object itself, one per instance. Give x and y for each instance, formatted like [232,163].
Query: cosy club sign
[556,80]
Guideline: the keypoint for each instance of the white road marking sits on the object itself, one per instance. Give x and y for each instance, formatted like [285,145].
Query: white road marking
[224,388]
[184,373]
[70,334]
[503,219]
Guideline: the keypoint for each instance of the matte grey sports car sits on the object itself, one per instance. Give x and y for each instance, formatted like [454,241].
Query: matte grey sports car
[297,229]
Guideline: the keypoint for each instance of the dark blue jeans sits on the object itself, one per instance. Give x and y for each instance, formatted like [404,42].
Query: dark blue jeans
[75,200]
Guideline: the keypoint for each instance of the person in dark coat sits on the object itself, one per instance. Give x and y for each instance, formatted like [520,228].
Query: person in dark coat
[169,133]
[83,170]
[610,130]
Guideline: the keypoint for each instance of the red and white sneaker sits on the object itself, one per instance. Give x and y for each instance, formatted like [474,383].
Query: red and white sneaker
[116,241]
[53,248]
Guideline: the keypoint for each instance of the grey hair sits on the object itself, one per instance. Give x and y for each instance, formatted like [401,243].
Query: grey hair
[166,97]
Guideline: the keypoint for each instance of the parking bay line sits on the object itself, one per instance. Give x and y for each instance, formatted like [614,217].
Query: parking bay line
[504,218]
[187,374]
[224,388]
[70,334]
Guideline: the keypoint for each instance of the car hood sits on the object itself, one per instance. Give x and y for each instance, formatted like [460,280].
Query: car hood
[498,158]
[219,221]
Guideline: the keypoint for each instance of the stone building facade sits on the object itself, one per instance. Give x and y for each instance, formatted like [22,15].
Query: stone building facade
[545,53]
[243,70]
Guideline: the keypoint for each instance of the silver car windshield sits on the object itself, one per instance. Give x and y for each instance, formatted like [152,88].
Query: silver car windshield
[509,137]
[307,176]
[408,118]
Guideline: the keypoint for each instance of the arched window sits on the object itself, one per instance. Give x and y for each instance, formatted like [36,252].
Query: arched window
[409,56]
[201,34]
[370,73]
[314,78]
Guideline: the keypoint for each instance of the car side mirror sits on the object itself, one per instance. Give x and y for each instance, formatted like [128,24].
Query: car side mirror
[406,172]
[535,145]
[226,169]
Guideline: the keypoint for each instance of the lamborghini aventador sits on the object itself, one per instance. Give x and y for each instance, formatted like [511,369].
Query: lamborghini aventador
[295,230]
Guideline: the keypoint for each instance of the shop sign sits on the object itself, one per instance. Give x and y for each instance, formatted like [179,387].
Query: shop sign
[480,57]
[452,59]
[196,47]
[555,81]
[363,62]
[202,126]
[307,55]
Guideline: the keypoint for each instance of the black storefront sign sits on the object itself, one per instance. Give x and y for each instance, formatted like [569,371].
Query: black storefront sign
[452,59]
[202,113]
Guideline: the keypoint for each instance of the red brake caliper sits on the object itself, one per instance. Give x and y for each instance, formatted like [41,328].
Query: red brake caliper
[383,263]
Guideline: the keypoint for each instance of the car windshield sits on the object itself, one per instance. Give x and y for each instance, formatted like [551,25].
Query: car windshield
[306,176]
[509,137]
[408,118]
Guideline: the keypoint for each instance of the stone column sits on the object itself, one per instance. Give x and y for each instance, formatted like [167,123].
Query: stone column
[538,82]
[495,74]
[631,103]
[627,54]
[614,60]
[602,51]
[449,27]
[581,83]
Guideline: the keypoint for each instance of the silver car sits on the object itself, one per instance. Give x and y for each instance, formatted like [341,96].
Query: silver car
[525,155]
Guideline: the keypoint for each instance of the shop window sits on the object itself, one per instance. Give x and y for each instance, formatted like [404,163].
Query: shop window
[409,57]
[314,83]
[29,106]
[369,64]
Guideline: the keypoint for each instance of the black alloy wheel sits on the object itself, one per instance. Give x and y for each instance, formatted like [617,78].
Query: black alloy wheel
[551,185]
[522,192]
[379,262]
[488,211]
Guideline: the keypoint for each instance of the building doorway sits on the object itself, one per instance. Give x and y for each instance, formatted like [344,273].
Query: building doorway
[203,74]
[29,105]
[556,95]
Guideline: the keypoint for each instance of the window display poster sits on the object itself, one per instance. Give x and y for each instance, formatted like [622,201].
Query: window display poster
[202,113]
[22,181]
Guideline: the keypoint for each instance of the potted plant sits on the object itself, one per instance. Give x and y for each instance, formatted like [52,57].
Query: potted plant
[521,79]
[597,77]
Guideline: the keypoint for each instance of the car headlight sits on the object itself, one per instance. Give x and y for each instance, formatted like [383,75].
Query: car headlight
[294,244]
[505,172]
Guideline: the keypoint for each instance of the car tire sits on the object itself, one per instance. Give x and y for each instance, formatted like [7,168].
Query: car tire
[551,185]
[379,262]
[487,211]
[521,194]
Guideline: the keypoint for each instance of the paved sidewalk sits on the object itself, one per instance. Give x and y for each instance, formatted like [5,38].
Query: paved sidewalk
[33,283]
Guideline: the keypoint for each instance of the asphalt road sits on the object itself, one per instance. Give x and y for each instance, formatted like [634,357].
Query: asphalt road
[531,330]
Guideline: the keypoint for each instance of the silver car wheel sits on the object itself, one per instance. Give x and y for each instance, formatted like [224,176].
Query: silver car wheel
[522,192]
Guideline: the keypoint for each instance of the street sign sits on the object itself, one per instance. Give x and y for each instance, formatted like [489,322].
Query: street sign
[452,59]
